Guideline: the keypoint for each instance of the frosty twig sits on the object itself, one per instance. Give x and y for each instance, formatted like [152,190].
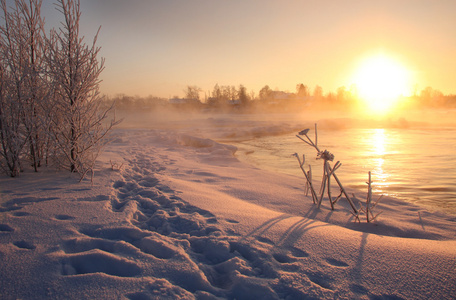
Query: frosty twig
[328,172]
[368,210]
[308,176]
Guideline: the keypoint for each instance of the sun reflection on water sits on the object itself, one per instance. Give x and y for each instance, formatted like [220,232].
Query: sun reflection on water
[378,143]
[415,165]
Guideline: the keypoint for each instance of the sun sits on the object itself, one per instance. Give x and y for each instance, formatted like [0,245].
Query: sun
[380,81]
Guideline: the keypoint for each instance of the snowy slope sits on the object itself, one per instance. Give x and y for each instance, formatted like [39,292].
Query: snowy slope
[184,219]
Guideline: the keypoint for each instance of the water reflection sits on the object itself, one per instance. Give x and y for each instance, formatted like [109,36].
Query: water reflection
[378,143]
[415,165]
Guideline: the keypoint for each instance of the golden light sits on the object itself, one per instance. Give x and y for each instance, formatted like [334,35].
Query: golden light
[378,142]
[380,82]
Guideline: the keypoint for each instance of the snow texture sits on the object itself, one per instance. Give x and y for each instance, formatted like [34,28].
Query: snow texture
[184,219]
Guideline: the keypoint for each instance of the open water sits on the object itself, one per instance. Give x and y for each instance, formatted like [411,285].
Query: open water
[415,165]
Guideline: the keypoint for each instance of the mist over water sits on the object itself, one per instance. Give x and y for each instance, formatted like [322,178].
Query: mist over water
[415,165]
[412,156]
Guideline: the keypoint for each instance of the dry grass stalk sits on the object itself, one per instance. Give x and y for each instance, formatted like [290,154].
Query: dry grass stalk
[115,166]
[308,176]
[328,172]
[368,209]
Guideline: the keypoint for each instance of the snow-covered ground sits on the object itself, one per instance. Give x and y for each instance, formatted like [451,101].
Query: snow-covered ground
[184,219]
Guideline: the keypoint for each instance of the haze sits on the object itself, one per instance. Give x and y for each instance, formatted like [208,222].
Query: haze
[159,47]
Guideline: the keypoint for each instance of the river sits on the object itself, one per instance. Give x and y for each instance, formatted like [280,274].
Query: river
[415,165]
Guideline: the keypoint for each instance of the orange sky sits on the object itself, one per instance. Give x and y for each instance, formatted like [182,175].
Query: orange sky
[159,47]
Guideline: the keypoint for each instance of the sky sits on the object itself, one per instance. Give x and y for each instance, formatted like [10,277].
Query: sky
[160,47]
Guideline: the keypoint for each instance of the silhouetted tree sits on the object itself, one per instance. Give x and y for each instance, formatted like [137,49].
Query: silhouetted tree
[233,93]
[318,92]
[265,93]
[242,95]
[192,92]
[342,93]
[302,90]
[217,93]
[226,93]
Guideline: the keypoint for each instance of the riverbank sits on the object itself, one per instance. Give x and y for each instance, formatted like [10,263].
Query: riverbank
[175,215]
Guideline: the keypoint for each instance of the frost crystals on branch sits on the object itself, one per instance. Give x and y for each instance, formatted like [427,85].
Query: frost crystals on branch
[368,210]
[74,71]
[328,172]
[50,108]
[22,85]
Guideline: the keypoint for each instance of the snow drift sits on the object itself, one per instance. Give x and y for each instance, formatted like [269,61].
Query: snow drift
[184,219]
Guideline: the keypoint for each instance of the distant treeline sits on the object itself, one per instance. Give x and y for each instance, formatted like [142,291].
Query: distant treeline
[230,98]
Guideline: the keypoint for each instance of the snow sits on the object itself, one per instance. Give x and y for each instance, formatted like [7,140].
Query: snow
[184,219]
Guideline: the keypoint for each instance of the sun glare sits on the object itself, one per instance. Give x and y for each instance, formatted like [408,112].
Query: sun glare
[380,82]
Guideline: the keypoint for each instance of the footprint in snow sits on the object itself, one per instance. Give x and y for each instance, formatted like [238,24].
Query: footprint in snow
[158,247]
[21,214]
[232,221]
[148,182]
[97,261]
[299,253]
[358,289]
[265,240]
[212,220]
[336,263]
[64,217]
[118,184]
[321,279]
[6,228]
[24,245]
[283,258]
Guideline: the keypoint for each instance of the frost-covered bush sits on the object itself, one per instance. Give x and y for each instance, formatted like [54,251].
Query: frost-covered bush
[50,108]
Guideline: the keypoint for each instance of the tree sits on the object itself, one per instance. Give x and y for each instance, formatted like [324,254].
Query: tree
[252,95]
[302,90]
[342,94]
[23,87]
[37,93]
[226,93]
[192,92]
[265,93]
[11,134]
[217,93]
[318,92]
[233,93]
[74,71]
[242,95]
[49,95]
